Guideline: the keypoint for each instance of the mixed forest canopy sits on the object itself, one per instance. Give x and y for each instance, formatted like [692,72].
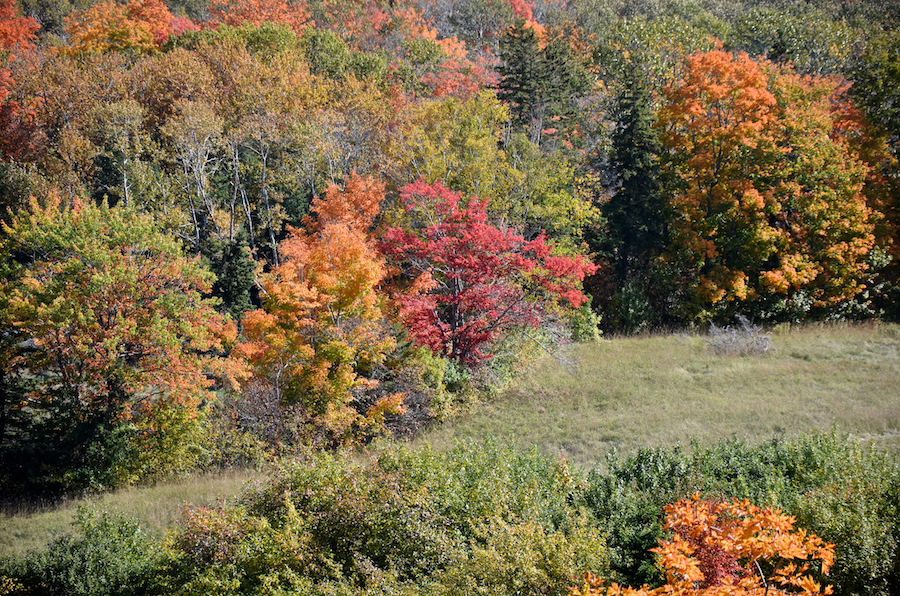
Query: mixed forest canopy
[237,226]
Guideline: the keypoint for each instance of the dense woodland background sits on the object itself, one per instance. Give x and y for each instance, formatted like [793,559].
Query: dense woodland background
[234,227]
[236,230]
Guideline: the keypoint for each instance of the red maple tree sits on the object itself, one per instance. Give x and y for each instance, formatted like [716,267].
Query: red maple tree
[472,280]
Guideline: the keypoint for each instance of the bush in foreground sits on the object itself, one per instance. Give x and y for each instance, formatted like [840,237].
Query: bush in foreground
[730,549]
[479,519]
[846,494]
[107,555]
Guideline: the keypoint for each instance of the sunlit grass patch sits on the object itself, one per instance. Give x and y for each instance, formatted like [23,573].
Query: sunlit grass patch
[156,506]
[665,390]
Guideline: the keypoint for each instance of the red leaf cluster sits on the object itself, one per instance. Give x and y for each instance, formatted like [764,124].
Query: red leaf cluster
[473,280]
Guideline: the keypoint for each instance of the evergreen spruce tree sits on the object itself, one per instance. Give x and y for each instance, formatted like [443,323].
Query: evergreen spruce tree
[540,85]
[635,212]
[235,272]
[563,80]
[520,85]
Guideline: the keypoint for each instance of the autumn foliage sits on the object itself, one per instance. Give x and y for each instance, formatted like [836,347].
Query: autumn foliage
[105,300]
[485,159]
[16,35]
[256,12]
[321,326]
[139,26]
[768,205]
[115,324]
[472,280]
[730,549]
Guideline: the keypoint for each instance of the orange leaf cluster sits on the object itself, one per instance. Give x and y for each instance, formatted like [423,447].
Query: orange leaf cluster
[140,26]
[729,549]
[16,35]
[355,206]
[16,32]
[236,13]
[321,324]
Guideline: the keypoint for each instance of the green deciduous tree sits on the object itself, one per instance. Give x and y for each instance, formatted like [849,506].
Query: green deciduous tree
[480,22]
[107,318]
[810,40]
[656,46]
[461,143]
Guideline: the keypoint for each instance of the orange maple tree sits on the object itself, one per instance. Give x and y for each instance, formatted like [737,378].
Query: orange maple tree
[16,35]
[236,13]
[767,207]
[729,549]
[140,26]
[320,328]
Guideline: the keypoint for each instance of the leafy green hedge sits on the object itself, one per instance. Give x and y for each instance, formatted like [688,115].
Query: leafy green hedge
[483,519]
[479,519]
[107,555]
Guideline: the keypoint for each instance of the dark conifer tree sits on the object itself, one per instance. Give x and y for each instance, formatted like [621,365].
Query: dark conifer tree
[564,81]
[635,212]
[520,85]
[235,272]
[540,85]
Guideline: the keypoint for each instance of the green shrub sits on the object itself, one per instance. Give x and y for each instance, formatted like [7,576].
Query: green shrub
[59,453]
[406,522]
[523,557]
[584,323]
[108,555]
[326,52]
[471,483]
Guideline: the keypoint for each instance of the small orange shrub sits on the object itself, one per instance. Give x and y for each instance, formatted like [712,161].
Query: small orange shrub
[729,549]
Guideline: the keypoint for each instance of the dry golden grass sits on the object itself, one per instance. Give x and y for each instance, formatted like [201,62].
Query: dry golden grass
[658,391]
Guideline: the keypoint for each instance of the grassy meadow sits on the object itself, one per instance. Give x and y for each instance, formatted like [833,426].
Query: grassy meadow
[622,394]
[157,507]
[626,393]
